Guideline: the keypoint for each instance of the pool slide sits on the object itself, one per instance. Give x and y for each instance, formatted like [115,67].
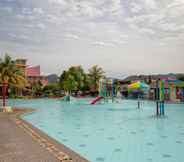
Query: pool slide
[96,100]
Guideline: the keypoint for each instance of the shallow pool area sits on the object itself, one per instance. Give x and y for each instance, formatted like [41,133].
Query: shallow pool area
[111,132]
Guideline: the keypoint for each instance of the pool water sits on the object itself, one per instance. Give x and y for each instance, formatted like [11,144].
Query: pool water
[111,132]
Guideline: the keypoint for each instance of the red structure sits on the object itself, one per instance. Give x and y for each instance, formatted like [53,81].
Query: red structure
[4,93]
[33,71]
[33,75]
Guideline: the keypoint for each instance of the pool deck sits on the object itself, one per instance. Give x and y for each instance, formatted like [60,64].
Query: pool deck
[22,142]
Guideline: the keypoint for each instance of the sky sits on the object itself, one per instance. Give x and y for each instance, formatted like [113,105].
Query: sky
[124,37]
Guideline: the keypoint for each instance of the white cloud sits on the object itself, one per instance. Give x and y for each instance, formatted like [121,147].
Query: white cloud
[41,26]
[171,27]
[118,41]
[89,8]
[102,44]
[6,9]
[26,11]
[150,4]
[71,36]
[120,28]
[38,11]
[146,31]
[124,36]
[135,8]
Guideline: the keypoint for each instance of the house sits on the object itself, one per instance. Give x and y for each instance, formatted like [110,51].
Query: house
[33,75]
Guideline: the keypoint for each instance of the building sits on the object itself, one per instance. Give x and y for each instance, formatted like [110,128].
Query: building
[33,75]
[21,64]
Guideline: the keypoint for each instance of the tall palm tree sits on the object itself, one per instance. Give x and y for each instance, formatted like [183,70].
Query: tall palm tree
[95,74]
[10,76]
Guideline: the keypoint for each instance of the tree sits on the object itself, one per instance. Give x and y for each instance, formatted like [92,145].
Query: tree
[181,78]
[70,84]
[52,89]
[95,74]
[62,78]
[74,79]
[37,88]
[78,73]
[10,76]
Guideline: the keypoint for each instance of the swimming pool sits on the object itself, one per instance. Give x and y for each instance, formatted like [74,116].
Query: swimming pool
[111,132]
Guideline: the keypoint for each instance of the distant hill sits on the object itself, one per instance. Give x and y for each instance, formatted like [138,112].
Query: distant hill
[52,78]
[156,76]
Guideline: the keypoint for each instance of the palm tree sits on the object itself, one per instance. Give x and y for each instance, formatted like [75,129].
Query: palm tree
[10,76]
[95,74]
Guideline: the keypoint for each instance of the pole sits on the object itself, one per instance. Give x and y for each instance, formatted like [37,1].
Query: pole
[138,102]
[4,91]
[157,98]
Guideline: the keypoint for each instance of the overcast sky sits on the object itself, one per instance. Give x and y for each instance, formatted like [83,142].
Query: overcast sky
[122,36]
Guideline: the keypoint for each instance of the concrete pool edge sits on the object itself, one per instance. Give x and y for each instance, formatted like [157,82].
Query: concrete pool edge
[59,150]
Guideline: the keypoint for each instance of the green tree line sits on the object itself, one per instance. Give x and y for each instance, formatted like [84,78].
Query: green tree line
[72,80]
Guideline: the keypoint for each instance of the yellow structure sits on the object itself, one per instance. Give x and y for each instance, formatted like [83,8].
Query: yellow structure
[21,64]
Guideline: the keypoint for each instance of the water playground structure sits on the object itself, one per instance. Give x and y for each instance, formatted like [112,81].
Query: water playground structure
[161,93]
[68,97]
[160,98]
[140,87]
[107,91]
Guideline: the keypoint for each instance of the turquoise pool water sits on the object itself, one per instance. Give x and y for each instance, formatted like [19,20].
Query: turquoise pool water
[113,132]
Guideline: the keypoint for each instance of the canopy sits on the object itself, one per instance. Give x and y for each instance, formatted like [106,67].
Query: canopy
[139,86]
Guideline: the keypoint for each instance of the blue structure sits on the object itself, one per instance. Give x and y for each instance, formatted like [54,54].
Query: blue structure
[160,92]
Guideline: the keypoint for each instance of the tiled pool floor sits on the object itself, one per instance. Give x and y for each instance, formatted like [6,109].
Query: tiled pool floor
[112,132]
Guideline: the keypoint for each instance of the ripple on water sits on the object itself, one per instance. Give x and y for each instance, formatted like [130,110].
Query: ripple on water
[100,159]
[166,155]
[163,137]
[149,160]
[110,138]
[65,140]
[133,132]
[179,142]
[149,144]
[82,145]
[86,135]
[117,150]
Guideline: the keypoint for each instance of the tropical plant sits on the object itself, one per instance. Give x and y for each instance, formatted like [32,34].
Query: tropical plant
[62,78]
[10,76]
[78,73]
[52,89]
[37,88]
[95,74]
[181,78]
[74,79]
[70,84]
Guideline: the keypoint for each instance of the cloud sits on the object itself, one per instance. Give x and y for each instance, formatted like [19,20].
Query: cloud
[26,11]
[89,8]
[162,22]
[112,28]
[102,44]
[38,11]
[135,8]
[118,41]
[6,9]
[150,4]
[71,36]
[41,26]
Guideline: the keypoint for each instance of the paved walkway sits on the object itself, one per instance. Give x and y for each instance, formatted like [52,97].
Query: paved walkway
[19,143]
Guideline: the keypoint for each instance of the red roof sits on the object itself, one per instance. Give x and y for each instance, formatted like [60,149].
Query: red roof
[33,71]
